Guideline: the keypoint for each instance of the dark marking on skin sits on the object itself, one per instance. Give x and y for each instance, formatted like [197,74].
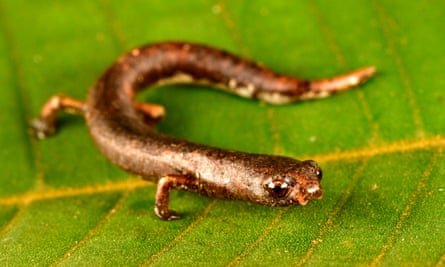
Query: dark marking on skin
[122,128]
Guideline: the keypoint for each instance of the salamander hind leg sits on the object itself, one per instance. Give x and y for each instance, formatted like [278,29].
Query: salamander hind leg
[45,124]
[151,113]
[165,185]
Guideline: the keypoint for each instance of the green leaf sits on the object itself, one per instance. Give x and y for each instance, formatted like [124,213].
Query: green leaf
[62,202]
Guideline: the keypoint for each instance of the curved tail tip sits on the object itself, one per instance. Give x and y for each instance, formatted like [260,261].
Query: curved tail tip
[325,87]
[364,74]
[355,77]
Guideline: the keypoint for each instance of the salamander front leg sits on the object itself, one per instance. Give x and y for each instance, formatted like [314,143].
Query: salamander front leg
[45,124]
[165,185]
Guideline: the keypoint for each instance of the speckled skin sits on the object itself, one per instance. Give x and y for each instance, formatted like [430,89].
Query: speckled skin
[122,134]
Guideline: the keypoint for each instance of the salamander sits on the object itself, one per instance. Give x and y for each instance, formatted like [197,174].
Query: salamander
[122,128]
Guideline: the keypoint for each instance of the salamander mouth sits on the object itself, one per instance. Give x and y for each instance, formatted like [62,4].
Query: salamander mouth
[306,194]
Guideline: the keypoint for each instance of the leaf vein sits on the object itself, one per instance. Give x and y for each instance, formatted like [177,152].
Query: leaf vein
[179,237]
[33,196]
[22,98]
[113,24]
[407,210]
[383,18]
[441,261]
[95,230]
[342,61]
[276,137]
[230,23]
[388,148]
[328,34]
[263,236]
[14,220]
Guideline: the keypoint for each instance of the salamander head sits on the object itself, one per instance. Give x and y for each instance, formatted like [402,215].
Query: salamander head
[297,185]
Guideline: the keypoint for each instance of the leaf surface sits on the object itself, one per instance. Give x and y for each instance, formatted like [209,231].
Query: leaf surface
[381,145]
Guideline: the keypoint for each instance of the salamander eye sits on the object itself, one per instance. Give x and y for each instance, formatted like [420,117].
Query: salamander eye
[278,188]
[319,174]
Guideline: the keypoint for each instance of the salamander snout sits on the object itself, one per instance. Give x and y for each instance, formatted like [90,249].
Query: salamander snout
[312,169]
[309,184]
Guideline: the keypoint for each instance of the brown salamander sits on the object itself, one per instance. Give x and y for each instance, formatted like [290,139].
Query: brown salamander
[122,127]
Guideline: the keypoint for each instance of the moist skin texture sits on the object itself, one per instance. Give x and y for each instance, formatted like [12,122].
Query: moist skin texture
[122,129]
